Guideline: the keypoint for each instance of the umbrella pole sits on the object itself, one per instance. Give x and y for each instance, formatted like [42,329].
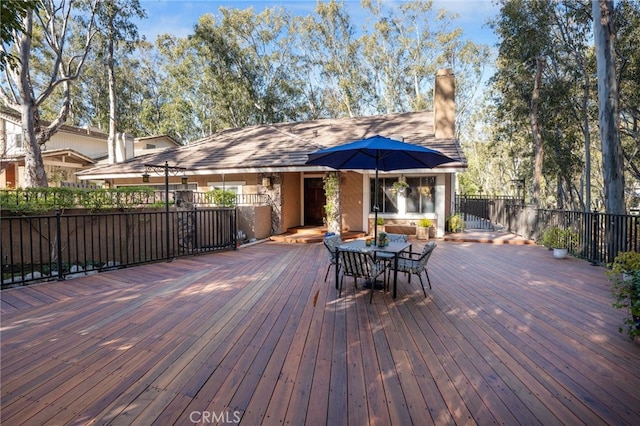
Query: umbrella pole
[375,206]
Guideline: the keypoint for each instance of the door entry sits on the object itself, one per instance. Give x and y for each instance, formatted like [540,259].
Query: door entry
[314,201]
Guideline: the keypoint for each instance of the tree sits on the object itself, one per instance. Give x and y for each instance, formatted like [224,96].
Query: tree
[113,20]
[26,92]
[627,24]
[330,49]
[12,14]
[612,157]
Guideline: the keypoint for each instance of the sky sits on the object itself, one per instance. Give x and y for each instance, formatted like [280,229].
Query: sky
[178,17]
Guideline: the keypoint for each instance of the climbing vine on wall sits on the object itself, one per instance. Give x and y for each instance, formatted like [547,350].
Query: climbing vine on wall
[332,206]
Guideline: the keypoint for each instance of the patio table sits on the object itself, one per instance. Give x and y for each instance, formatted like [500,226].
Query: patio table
[394,248]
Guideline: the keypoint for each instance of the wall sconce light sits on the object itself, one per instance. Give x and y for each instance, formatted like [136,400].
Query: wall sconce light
[106,185]
[145,177]
[184,179]
[266,182]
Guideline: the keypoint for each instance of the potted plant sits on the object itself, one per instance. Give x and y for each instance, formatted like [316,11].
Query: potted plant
[382,239]
[455,223]
[559,239]
[625,289]
[422,231]
[400,187]
[380,225]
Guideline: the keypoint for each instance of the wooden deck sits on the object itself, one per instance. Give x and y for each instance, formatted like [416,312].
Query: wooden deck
[508,335]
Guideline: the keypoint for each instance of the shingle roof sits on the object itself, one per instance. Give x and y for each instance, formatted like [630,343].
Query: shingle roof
[286,145]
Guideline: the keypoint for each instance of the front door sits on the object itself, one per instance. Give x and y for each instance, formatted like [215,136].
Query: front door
[314,201]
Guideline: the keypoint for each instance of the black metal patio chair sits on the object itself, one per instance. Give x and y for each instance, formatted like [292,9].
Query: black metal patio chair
[416,263]
[331,244]
[358,264]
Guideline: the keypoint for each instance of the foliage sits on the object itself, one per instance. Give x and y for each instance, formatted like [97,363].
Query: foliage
[331,189]
[42,200]
[12,14]
[380,221]
[400,185]
[424,223]
[49,62]
[117,198]
[556,237]
[455,223]
[220,197]
[624,277]
[626,262]
[382,238]
[37,200]
[561,33]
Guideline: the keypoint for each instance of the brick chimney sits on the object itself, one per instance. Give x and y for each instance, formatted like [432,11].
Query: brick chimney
[444,104]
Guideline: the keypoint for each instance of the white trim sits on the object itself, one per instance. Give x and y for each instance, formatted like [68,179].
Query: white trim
[293,169]
[440,188]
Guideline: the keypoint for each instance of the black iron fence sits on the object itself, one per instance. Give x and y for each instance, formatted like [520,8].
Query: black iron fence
[477,211]
[39,199]
[601,236]
[54,246]
[209,198]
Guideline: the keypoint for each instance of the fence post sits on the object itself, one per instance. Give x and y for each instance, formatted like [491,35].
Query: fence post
[59,245]
[186,221]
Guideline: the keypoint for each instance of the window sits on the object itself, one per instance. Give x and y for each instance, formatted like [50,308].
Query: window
[421,194]
[17,140]
[387,196]
[235,187]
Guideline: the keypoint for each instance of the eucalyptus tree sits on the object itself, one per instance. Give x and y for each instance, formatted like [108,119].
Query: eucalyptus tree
[627,17]
[25,91]
[612,157]
[400,51]
[12,14]
[406,44]
[525,44]
[235,70]
[332,52]
[114,22]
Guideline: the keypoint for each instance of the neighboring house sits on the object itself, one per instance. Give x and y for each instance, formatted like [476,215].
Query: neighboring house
[270,159]
[69,151]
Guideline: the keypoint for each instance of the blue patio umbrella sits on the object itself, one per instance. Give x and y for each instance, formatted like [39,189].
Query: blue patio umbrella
[378,153]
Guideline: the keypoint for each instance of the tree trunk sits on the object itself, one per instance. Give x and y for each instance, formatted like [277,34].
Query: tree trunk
[587,140]
[608,117]
[535,131]
[111,141]
[34,174]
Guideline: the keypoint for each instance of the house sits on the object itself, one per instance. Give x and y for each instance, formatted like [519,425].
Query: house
[270,159]
[69,151]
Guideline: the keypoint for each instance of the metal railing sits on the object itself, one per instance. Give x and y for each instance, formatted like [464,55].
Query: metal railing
[117,198]
[54,246]
[477,211]
[601,236]
[204,199]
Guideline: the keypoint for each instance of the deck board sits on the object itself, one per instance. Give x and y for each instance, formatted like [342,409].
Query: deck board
[507,335]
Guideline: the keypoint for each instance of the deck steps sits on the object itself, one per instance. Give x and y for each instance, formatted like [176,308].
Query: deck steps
[315,234]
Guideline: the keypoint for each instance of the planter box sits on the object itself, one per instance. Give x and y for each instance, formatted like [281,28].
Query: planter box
[422,233]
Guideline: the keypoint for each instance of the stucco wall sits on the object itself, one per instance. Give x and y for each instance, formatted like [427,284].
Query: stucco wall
[351,199]
[291,201]
[255,222]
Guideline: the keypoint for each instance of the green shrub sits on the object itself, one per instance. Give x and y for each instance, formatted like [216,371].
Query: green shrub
[219,197]
[424,223]
[557,237]
[455,223]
